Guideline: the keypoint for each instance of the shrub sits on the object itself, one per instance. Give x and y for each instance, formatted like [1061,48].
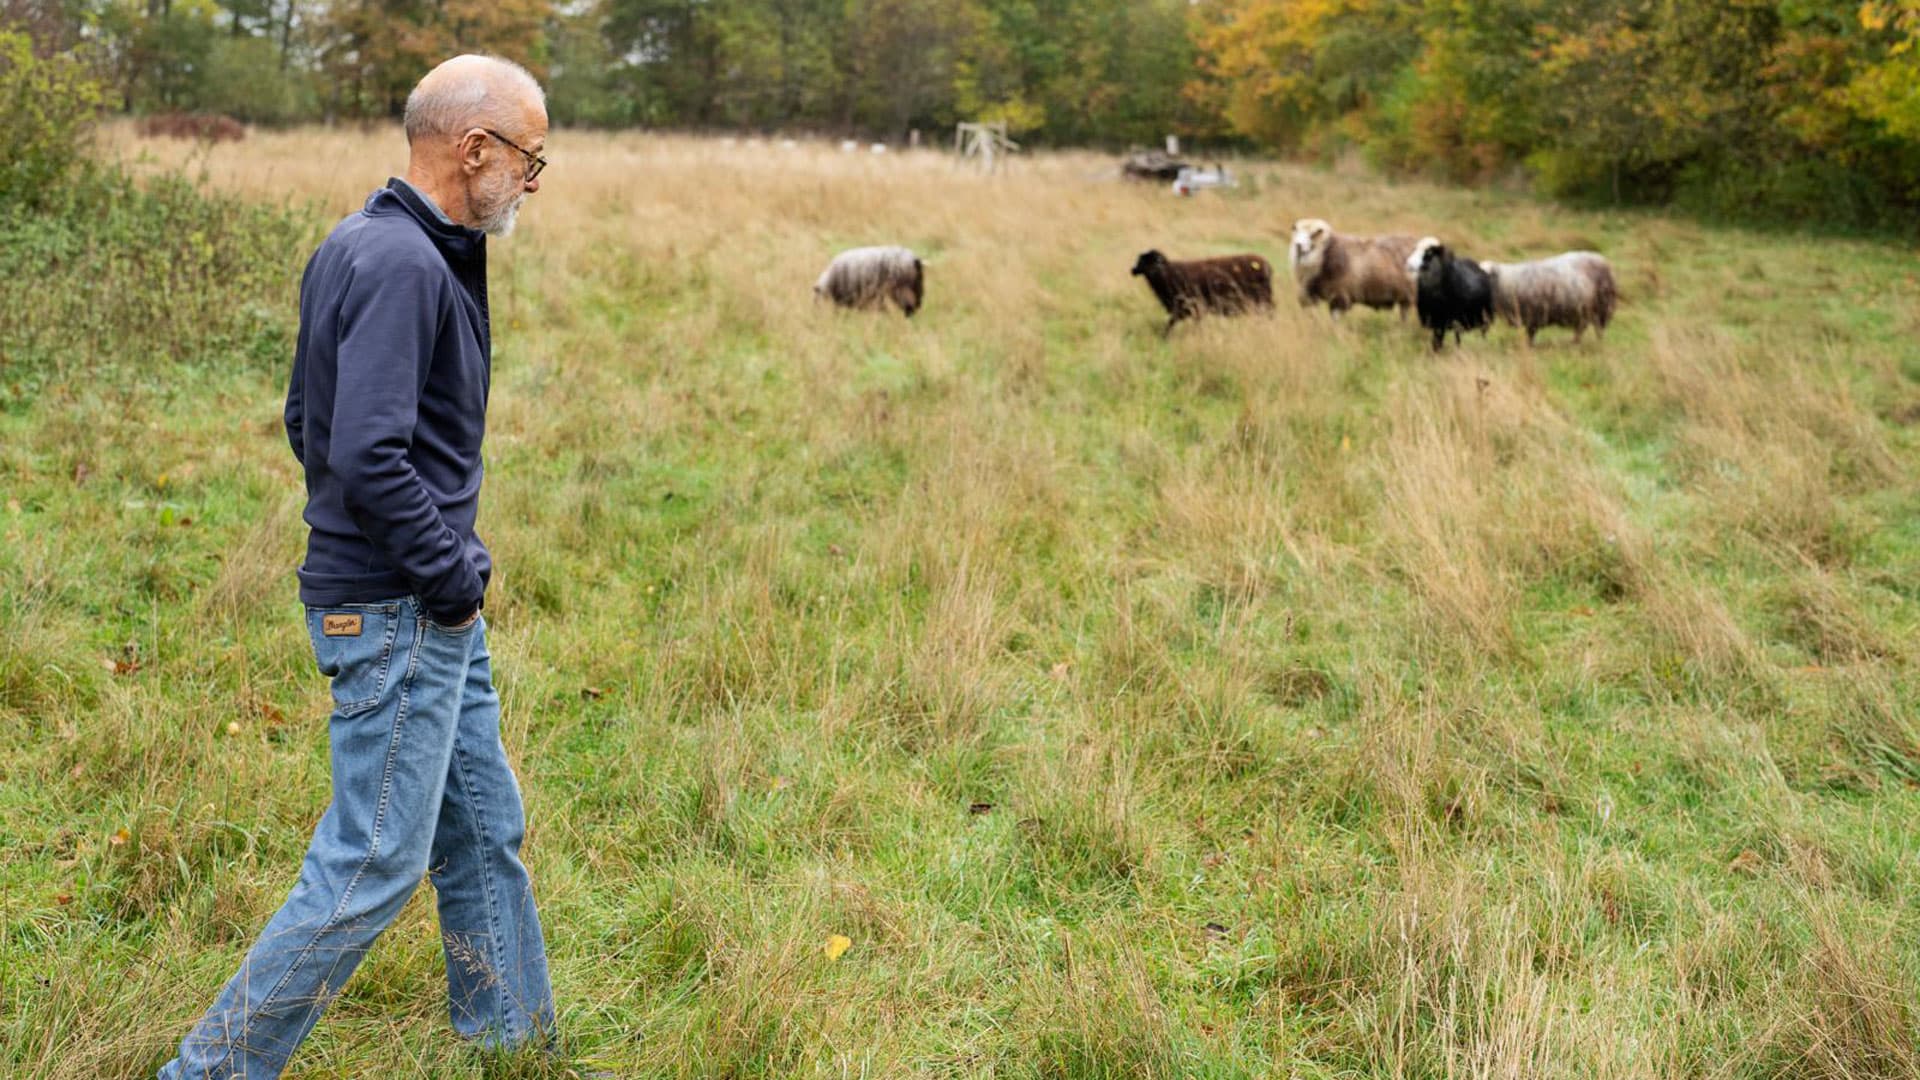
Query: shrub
[49,103]
[127,282]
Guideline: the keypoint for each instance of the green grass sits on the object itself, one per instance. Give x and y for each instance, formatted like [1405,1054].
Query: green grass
[1276,701]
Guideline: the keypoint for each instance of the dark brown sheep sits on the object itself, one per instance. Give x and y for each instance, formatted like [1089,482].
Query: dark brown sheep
[1229,285]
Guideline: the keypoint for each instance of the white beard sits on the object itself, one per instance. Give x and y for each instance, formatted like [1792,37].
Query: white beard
[501,222]
[502,207]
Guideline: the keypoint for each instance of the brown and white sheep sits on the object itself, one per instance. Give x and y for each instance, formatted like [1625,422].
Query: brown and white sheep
[1575,290]
[1342,271]
[869,277]
[1228,285]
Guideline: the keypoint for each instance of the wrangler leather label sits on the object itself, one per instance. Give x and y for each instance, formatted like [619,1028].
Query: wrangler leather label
[340,625]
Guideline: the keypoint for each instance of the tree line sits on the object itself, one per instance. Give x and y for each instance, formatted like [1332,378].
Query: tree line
[1804,110]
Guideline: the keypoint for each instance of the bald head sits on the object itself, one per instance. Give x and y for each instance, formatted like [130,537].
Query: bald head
[476,126]
[468,92]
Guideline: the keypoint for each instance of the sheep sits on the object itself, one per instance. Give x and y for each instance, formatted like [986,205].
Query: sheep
[1451,292]
[1574,290]
[1224,286]
[1151,165]
[1346,270]
[868,277]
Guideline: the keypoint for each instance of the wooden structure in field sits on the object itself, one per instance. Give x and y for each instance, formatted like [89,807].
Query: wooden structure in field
[984,145]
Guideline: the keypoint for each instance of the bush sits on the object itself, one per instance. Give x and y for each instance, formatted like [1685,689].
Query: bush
[49,104]
[127,282]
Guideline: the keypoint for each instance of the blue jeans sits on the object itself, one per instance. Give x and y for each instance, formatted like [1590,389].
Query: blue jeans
[421,786]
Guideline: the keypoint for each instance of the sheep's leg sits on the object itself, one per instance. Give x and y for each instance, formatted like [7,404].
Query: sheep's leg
[1531,330]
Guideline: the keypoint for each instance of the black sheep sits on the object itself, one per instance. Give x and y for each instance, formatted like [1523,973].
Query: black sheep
[1224,286]
[1451,292]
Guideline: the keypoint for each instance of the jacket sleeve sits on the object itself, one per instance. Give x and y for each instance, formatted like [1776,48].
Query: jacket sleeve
[295,415]
[388,325]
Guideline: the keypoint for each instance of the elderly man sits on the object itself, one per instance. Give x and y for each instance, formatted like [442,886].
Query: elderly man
[385,412]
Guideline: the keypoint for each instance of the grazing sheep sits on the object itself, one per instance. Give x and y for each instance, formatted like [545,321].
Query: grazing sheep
[1223,286]
[868,277]
[1346,270]
[1151,165]
[1451,292]
[1575,290]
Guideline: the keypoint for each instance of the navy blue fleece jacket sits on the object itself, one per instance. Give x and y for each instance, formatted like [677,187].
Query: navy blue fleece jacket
[387,407]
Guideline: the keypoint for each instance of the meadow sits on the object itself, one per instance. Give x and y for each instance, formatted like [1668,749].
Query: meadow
[1276,700]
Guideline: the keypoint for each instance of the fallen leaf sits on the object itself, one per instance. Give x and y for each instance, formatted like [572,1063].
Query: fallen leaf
[120,667]
[837,946]
[1213,859]
[63,899]
[13,506]
[835,550]
[81,470]
[120,836]
[1059,671]
[1747,862]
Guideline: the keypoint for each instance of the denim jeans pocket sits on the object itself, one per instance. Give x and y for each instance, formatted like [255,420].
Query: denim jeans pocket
[451,631]
[353,646]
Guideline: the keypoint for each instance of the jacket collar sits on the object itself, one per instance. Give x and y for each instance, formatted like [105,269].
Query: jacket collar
[462,247]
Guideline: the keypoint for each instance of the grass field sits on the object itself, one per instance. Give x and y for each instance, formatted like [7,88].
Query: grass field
[1274,701]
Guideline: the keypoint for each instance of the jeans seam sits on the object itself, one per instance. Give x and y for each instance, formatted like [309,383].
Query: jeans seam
[373,849]
[494,944]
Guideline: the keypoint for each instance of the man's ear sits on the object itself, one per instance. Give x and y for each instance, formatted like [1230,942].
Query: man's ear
[473,150]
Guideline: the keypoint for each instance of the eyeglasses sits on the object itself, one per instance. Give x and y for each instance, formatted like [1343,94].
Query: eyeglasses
[535,162]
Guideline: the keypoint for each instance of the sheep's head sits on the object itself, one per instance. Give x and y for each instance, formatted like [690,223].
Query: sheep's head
[1148,263]
[1310,239]
[910,292]
[1419,256]
[1433,262]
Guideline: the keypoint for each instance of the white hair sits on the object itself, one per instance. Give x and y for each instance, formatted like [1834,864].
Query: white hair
[447,106]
